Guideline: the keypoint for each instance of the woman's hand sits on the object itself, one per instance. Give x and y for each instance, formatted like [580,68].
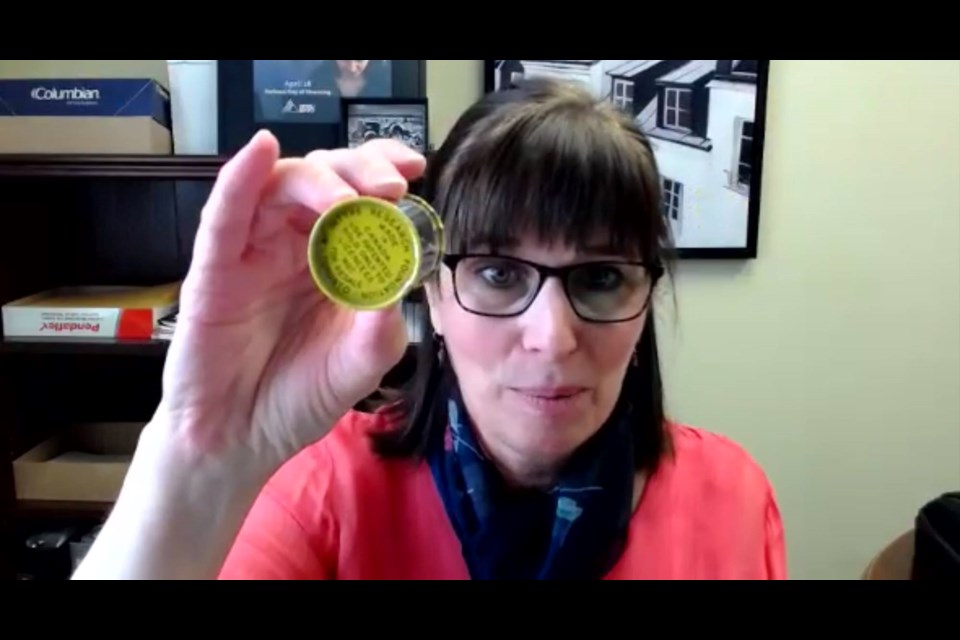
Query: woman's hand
[261,364]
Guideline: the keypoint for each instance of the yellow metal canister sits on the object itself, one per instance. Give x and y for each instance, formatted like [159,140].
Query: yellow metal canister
[368,253]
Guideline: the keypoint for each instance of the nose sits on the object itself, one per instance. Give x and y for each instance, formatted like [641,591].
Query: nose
[550,322]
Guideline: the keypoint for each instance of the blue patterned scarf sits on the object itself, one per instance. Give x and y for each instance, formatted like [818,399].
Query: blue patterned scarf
[576,530]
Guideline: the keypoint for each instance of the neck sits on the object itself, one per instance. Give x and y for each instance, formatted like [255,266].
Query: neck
[348,81]
[519,472]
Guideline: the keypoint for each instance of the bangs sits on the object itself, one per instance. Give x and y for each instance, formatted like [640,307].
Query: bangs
[565,172]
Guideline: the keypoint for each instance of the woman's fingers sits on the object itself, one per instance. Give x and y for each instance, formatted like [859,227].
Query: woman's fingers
[369,173]
[228,214]
[408,162]
[256,179]
[306,188]
[381,168]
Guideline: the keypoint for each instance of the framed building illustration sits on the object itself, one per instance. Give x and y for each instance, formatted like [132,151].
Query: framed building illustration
[705,120]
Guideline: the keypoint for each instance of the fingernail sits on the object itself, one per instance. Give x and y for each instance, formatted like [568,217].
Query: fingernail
[259,135]
[387,182]
[413,153]
[258,138]
[343,194]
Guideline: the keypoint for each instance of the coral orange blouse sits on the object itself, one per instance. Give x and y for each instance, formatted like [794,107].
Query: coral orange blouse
[336,511]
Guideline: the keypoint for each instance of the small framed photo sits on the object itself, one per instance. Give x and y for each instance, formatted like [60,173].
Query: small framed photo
[403,119]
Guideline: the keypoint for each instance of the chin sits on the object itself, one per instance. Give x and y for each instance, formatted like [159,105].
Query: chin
[549,438]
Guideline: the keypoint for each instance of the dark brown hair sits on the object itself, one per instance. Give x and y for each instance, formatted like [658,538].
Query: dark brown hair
[546,159]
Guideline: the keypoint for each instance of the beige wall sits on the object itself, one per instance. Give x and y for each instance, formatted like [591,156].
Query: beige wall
[451,86]
[835,357]
[156,69]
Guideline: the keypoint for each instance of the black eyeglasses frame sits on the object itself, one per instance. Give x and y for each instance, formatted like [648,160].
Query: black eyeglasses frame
[545,272]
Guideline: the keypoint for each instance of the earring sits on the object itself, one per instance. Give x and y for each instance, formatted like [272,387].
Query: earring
[635,360]
[441,349]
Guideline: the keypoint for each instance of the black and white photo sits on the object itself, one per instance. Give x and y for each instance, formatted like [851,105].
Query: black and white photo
[704,119]
[402,120]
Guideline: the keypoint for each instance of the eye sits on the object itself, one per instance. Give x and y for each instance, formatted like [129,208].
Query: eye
[499,274]
[599,277]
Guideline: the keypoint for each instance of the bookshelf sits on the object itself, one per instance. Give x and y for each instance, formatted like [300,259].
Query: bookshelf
[75,220]
[77,346]
[106,166]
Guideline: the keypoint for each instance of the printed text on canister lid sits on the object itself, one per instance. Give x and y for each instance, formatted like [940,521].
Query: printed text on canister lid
[369,254]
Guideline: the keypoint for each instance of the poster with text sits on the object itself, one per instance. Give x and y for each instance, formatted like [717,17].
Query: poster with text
[309,91]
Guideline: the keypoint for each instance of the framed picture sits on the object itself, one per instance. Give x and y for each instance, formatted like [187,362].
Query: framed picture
[370,118]
[300,100]
[705,120]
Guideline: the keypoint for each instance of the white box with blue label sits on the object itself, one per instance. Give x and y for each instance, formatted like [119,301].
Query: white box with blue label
[85,116]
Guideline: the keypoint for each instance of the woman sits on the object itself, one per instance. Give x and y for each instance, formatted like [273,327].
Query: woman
[355,79]
[532,443]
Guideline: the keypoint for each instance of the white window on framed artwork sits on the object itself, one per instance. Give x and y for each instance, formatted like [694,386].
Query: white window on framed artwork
[516,76]
[623,94]
[746,68]
[677,113]
[673,202]
[742,171]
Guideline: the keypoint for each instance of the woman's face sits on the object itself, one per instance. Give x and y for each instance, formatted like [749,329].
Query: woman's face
[352,68]
[540,384]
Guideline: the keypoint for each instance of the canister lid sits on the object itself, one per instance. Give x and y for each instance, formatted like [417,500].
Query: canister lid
[364,253]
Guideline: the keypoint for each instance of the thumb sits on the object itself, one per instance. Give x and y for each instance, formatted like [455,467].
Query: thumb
[382,334]
[377,341]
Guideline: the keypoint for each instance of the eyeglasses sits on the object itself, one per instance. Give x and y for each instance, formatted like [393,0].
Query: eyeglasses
[503,287]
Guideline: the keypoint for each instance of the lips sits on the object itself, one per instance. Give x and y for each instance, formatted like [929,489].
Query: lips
[554,403]
[550,393]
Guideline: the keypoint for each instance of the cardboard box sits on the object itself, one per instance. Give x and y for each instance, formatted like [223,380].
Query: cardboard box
[81,136]
[85,116]
[130,313]
[85,463]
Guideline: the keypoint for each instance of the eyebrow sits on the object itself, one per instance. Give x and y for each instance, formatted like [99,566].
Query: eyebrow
[513,243]
[589,253]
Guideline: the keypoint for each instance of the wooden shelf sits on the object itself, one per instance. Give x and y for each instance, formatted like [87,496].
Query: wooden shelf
[111,166]
[30,509]
[119,166]
[89,346]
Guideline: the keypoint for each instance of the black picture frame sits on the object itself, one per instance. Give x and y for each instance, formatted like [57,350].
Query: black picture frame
[691,110]
[238,121]
[353,108]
